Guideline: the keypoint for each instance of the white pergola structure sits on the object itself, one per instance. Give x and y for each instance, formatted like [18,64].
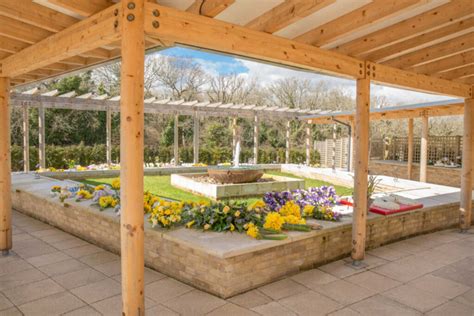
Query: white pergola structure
[88,102]
[415,44]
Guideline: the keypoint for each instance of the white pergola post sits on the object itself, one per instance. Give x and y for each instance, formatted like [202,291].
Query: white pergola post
[131,156]
[361,169]
[410,149]
[334,129]
[108,135]
[234,134]
[26,139]
[308,144]
[176,140]
[465,217]
[41,137]
[287,143]
[5,168]
[255,138]
[424,147]
[196,139]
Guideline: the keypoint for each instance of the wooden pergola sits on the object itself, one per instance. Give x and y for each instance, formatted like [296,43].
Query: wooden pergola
[423,111]
[89,102]
[414,44]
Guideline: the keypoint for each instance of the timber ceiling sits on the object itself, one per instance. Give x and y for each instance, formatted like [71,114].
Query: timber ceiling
[431,37]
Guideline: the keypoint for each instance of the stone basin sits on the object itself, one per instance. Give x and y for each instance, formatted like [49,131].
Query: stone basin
[235,174]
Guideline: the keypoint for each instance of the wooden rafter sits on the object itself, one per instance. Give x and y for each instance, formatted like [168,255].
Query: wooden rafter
[10,45]
[209,8]
[285,14]
[83,36]
[445,64]
[21,31]
[467,80]
[437,51]
[461,72]
[83,8]
[398,48]
[190,29]
[361,17]
[420,23]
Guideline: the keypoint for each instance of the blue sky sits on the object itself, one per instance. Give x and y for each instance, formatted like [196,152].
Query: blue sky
[267,73]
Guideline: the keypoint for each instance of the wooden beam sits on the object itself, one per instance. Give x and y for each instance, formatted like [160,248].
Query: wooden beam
[286,13]
[209,8]
[256,134]
[465,217]
[420,23]
[437,51]
[424,148]
[35,14]
[191,29]
[410,149]
[352,146]
[457,73]
[399,47]
[41,138]
[176,140]
[83,8]
[131,161]
[447,63]
[400,78]
[108,135]
[91,33]
[196,139]
[287,141]
[362,17]
[361,169]
[5,168]
[26,139]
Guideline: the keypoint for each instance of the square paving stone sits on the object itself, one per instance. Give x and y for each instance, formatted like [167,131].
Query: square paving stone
[466,299]
[62,267]
[379,305]
[232,310]
[250,299]
[452,308]
[56,304]
[345,312]
[283,288]
[340,269]
[165,289]
[11,312]
[344,292]
[414,297]
[34,250]
[113,305]
[160,310]
[48,259]
[81,251]
[12,280]
[314,278]
[83,311]
[99,258]
[310,303]
[273,309]
[68,244]
[4,302]
[14,265]
[440,286]
[373,281]
[33,291]
[407,268]
[79,278]
[194,303]
[110,269]
[97,291]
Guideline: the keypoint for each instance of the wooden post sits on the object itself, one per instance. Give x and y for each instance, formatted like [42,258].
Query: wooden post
[334,128]
[5,168]
[308,144]
[41,137]
[176,140]
[465,216]
[131,156]
[410,149]
[255,139]
[361,169]
[196,139]
[108,133]
[424,148]
[287,137]
[234,135]
[352,148]
[26,139]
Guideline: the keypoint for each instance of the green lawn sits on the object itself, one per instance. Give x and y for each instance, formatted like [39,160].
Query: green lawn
[161,186]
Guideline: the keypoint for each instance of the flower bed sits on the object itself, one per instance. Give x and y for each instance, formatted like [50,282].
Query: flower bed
[268,218]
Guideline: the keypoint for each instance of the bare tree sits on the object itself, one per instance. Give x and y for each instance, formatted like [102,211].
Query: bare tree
[234,88]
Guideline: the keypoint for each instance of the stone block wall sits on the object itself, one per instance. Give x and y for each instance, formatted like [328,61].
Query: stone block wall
[438,175]
[241,271]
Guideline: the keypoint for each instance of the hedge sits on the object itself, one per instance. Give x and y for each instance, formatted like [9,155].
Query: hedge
[65,156]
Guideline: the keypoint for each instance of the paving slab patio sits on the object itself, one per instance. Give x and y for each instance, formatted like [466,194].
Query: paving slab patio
[50,272]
